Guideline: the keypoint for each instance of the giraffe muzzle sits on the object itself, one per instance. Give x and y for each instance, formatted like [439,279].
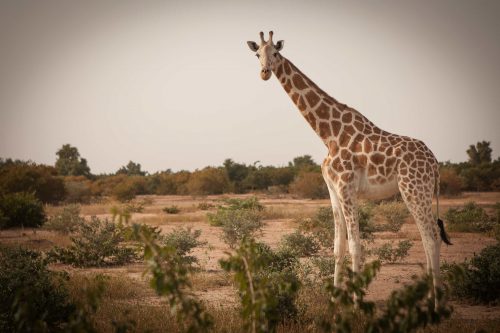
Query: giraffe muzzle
[265,74]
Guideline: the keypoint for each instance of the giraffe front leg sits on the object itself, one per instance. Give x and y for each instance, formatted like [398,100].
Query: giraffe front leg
[339,224]
[348,205]
[340,236]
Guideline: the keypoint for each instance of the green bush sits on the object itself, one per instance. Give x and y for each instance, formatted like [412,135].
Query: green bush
[471,218]
[67,221]
[325,266]
[21,210]
[387,252]
[406,310]
[365,220]
[171,210]
[183,240]
[239,218]
[34,299]
[300,244]
[135,207]
[478,278]
[394,213]
[267,284]
[321,226]
[170,279]
[251,203]
[205,206]
[239,224]
[309,185]
[495,232]
[96,243]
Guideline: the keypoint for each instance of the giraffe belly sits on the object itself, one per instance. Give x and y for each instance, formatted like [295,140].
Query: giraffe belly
[376,191]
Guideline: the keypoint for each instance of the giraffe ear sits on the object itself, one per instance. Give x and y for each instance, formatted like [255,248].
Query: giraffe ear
[279,45]
[253,46]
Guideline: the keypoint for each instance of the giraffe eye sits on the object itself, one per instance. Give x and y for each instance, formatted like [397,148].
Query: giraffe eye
[257,55]
[275,54]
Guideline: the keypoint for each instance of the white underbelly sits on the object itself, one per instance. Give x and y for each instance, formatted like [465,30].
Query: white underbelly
[370,191]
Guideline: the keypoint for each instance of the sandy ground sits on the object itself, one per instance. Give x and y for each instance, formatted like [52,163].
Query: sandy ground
[219,292]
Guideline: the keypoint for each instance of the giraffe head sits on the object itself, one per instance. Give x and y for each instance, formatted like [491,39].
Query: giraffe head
[268,54]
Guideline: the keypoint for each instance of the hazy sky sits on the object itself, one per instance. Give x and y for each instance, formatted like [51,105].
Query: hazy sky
[172,84]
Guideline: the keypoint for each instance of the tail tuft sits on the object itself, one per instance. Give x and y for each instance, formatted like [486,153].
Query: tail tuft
[442,233]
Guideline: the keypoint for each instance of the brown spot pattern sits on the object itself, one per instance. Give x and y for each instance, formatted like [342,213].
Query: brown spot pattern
[333,148]
[367,146]
[346,118]
[311,119]
[299,82]
[324,130]
[279,72]
[288,70]
[377,158]
[288,86]
[372,170]
[349,129]
[360,161]
[336,125]
[322,111]
[302,104]
[344,139]
[312,98]
[359,126]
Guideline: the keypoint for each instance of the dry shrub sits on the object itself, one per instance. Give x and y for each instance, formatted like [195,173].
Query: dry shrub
[208,181]
[77,190]
[309,185]
[450,182]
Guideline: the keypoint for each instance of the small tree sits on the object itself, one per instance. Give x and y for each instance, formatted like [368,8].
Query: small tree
[69,162]
[131,169]
[479,153]
[304,163]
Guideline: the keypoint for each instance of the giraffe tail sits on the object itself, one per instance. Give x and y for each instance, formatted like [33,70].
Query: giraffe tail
[440,223]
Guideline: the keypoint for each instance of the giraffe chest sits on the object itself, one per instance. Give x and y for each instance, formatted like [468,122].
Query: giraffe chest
[367,188]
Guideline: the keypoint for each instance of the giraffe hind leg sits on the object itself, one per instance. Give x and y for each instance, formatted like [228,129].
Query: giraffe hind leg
[418,199]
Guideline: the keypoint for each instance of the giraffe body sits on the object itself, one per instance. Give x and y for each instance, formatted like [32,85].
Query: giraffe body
[363,161]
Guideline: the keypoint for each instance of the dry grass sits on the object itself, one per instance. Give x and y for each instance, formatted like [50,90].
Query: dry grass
[174,218]
[41,240]
[273,212]
[204,281]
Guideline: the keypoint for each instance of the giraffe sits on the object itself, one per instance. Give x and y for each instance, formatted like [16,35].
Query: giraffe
[363,161]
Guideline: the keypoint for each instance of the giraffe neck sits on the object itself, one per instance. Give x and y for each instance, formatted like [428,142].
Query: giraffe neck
[328,117]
